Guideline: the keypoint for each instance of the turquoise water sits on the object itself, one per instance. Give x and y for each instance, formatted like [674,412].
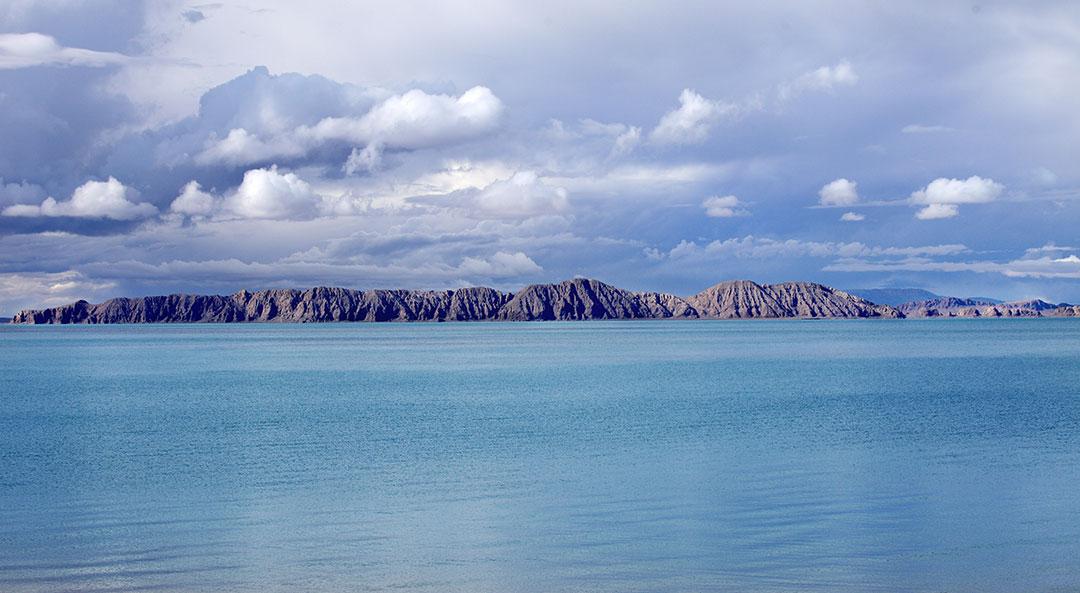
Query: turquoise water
[600,456]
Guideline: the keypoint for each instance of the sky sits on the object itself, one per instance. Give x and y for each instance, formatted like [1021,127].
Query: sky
[160,147]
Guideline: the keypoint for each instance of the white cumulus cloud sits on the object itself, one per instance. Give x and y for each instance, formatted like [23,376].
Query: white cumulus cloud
[267,193]
[941,197]
[691,121]
[416,119]
[723,207]
[93,199]
[193,201]
[408,121]
[852,217]
[839,192]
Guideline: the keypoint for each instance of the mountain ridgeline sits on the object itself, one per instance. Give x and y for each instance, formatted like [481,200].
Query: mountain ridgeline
[955,307]
[578,299]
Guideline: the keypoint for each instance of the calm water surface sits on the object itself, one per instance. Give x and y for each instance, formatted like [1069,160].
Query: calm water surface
[933,456]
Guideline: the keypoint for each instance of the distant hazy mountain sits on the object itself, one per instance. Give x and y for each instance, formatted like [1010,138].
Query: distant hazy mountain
[893,296]
[954,307]
[570,300]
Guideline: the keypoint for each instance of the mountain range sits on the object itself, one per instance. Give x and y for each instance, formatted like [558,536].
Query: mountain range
[577,299]
[978,307]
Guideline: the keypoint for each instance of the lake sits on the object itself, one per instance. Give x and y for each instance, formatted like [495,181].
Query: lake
[659,456]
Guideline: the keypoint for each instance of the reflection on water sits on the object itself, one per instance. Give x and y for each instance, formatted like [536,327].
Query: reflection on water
[621,456]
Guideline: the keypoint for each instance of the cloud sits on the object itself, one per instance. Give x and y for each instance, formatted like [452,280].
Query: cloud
[267,193]
[455,174]
[522,195]
[723,207]
[825,78]
[592,136]
[192,201]
[93,199]
[852,217]
[26,50]
[20,193]
[1043,176]
[415,120]
[499,265]
[751,247]
[592,127]
[645,179]
[47,289]
[691,121]
[367,160]
[840,192]
[299,271]
[410,121]
[1043,267]
[1027,267]
[626,142]
[938,211]
[973,190]
[942,196]
[925,129]
[241,147]
[1049,248]
[1013,81]
[248,122]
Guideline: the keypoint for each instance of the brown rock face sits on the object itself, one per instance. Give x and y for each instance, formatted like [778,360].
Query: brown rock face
[340,304]
[736,299]
[588,299]
[743,299]
[577,299]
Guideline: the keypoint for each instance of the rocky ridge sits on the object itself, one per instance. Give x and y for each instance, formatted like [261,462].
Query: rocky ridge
[954,307]
[577,299]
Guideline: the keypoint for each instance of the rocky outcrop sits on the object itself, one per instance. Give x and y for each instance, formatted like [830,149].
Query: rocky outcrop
[741,299]
[582,298]
[1064,310]
[177,308]
[578,299]
[806,299]
[954,307]
[735,299]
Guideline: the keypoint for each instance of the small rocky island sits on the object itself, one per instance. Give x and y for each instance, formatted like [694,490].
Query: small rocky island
[577,299]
